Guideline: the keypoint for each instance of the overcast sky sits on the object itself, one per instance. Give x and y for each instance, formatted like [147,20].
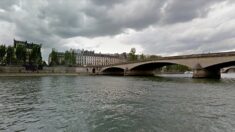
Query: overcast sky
[162,27]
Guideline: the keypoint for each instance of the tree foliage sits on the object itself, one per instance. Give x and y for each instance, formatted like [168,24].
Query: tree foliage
[70,58]
[152,57]
[132,56]
[21,54]
[54,58]
[142,57]
[2,52]
[10,55]
[176,68]
[35,56]
[67,57]
[73,58]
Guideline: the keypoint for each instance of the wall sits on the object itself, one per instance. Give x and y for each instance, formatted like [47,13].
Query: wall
[78,70]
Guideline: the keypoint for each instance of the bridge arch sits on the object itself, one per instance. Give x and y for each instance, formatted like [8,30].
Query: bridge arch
[155,65]
[150,68]
[221,65]
[112,71]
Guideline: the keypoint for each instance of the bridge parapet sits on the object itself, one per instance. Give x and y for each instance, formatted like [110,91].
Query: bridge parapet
[206,55]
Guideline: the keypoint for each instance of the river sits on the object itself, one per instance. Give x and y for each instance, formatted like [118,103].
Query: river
[170,103]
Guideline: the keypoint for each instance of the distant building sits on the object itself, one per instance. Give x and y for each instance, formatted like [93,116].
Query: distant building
[29,47]
[90,58]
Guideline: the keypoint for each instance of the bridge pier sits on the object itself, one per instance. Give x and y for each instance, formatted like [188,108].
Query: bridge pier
[205,73]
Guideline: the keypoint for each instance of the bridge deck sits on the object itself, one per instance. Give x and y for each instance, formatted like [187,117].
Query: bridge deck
[232,53]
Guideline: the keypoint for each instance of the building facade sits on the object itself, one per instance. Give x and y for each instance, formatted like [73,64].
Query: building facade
[28,46]
[90,58]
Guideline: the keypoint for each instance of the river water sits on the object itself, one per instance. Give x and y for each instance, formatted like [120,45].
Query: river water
[173,103]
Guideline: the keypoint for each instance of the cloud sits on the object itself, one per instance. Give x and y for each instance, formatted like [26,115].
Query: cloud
[6,32]
[101,44]
[8,4]
[185,10]
[154,26]
[212,33]
[98,18]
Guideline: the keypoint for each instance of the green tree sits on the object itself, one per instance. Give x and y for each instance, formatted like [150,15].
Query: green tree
[21,54]
[44,63]
[152,57]
[177,68]
[67,57]
[73,58]
[54,58]
[39,55]
[2,52]
[131,55]
[10,55]
[142,57]
[70,58]
[35,56]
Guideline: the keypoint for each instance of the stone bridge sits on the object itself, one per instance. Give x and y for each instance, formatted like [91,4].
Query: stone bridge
[203,65]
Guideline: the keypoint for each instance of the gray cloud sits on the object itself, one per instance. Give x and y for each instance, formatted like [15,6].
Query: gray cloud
[98,18]
[93,18]
[106,2]
[157,22]
[201,36]
[186,10]
[7,4]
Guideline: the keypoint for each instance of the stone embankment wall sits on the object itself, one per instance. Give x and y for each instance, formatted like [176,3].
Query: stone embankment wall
[11,69]
[75,70]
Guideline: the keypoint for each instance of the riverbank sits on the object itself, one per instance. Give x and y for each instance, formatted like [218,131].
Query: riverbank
[47,71]
[42,74]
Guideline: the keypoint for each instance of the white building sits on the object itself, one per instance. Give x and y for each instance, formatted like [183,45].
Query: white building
[90,58]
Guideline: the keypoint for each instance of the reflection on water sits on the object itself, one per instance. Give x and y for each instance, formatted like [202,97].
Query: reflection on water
[103,103]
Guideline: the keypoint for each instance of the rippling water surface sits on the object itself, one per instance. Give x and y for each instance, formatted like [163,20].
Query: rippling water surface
[117,104]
